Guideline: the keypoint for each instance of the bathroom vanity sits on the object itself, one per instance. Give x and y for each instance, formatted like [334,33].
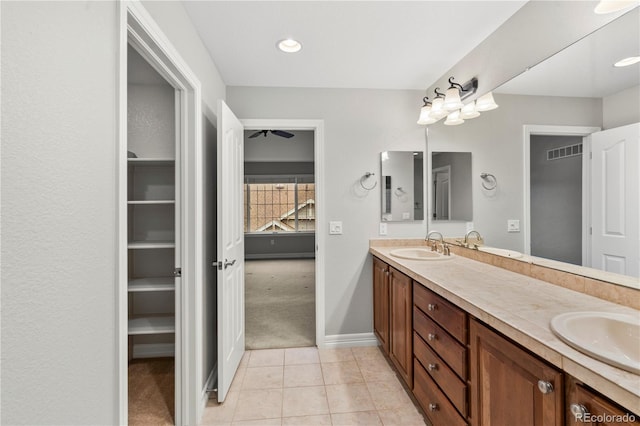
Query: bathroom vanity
[473,343]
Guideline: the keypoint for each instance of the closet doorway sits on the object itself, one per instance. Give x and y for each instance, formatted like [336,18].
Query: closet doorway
[281,200]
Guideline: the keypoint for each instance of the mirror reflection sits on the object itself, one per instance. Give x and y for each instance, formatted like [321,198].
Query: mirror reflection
[402,186]
[451,197]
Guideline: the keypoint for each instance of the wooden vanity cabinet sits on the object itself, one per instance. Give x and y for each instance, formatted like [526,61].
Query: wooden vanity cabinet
[381,303]
[510,386]
[400,324]
[585,406]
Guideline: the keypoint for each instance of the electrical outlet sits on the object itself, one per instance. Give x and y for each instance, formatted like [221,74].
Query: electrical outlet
[513,225]
[383,229]
[335,228]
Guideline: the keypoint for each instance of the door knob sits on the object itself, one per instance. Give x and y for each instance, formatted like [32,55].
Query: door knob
[433,407]
[431,336]
[228,263]
[545,387]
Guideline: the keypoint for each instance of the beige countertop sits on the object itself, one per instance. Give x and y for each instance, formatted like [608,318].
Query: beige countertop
[521,308]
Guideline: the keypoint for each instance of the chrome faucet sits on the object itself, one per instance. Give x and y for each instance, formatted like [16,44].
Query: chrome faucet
[434,245]
[478,238]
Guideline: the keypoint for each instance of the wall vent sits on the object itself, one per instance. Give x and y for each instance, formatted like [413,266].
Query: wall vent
[564,152]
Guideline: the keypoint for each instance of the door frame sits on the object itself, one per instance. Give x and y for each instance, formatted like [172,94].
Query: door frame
[434,173]
[584,131]
[317,126]
[137,27]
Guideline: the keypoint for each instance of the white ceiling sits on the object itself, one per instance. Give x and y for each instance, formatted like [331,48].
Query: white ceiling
[346,44]
[585,69]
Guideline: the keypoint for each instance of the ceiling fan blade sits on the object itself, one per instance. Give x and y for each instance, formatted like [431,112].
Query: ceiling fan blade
[282,133]
[258,133]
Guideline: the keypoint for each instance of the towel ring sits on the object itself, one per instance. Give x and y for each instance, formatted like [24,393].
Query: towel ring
[365,177]
[489,181]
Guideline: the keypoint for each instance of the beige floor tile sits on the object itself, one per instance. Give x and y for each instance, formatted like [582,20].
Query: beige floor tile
[323,420]
[388,395]
[266,358]
[258,404]
[306,401]
[220,414]
[376,370]
[366,418]
[263,378]
[366,352]
[301,356]
[302,375]
[245,359]
[236,383]
[337,373]
[335,355]
[266,422]
[406,416]
[349,398]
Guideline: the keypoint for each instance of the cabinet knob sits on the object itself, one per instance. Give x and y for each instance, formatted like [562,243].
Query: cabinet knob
[579,411]
[545,387]
[431,337]
[432,367]
[432,306]
[433,407]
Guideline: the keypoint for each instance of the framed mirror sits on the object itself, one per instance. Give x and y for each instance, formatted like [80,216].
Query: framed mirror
[451,195]
[402,184]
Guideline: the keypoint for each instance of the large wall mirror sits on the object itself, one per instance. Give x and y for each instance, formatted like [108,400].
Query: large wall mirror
[402,185]
[564,99]
[451,197]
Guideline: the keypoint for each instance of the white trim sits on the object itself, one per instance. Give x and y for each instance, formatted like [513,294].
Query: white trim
[137,26]
[529,130]
[208,384]
[318,147]
[153,350]
[305,255]
[350,340]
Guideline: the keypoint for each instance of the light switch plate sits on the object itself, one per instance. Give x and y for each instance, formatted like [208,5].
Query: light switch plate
[513,225]
[383,228]
[335,228]
[406,215]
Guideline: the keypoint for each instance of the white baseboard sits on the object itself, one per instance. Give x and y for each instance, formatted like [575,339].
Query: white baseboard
[267,256]
[210,383]
[349,340]
[153,350]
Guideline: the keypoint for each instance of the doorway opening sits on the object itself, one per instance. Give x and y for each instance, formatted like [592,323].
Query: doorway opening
[280,238]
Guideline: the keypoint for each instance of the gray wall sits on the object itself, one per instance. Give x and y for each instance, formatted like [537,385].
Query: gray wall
[556,201]
[359,124]
[280,246]
[622,108]
[58,165]
[273,148]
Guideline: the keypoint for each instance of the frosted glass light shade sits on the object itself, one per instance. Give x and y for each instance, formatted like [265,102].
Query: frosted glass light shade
[437,109]
[424,118]
[453,119]
[627,61]
[469,111]
[486,103]
[610,6]
[452,99]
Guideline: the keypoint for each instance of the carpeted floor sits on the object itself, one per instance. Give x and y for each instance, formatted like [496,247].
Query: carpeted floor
[280,303]
[151,391]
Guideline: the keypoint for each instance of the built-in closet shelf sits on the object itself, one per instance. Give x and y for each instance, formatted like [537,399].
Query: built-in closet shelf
[151,161]
[150,202]
[151,244]
[151,284]
[152,325]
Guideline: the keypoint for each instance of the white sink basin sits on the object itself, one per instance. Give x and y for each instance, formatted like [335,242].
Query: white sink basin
[501,252]
[418,253]
[609,337]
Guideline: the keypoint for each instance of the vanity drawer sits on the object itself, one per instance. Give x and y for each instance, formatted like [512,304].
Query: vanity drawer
[435,404]
[454,388]
[445,313]
[448,348]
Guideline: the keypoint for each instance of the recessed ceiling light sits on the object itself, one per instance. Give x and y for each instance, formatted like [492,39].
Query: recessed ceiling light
[289,45]
[627,61]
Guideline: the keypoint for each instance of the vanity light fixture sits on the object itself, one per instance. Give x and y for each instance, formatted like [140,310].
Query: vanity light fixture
[486,103]
[424,118]
[627,61]
[610,6]
[437,109]
[289,45]
[452,99]
[469,111]
[453,119]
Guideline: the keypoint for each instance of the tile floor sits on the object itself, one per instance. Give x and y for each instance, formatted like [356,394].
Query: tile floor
[308,386]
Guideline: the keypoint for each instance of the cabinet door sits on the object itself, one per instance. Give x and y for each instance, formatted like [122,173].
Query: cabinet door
[588,407]
[381,302]
[505,383]
[401,350]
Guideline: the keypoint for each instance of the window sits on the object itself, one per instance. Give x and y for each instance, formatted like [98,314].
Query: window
[283,204]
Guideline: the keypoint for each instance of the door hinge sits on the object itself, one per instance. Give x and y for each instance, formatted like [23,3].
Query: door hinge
[177,272]
[590,231]
[590,155]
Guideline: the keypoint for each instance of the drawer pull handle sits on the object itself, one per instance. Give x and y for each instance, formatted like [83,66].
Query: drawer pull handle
[545,387]
[431,337]
[433,407]
[432,367]
[579,411]
[432,306]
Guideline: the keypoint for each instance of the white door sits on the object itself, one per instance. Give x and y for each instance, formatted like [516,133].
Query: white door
[230,260]
[615,191]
